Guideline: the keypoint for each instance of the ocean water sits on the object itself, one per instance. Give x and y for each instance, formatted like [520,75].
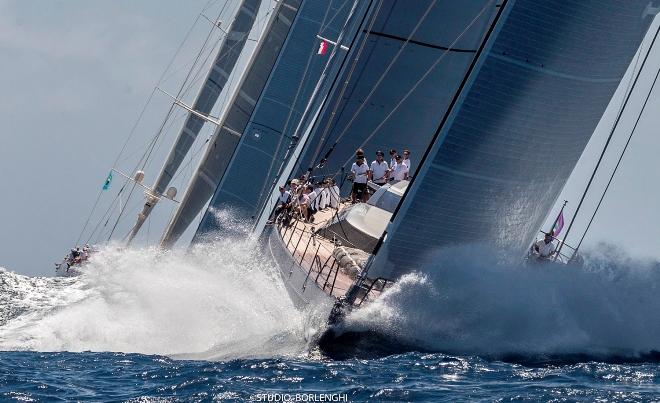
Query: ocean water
[216,324]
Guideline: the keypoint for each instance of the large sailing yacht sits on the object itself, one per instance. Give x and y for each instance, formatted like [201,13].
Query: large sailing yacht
[486,94]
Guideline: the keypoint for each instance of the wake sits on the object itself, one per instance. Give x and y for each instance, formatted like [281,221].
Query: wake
[479,303]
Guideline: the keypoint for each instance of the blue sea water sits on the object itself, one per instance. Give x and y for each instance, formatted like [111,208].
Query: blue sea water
[217,324]
[32,376]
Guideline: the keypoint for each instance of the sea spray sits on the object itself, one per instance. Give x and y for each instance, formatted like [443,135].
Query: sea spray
[472,301]
[215,301]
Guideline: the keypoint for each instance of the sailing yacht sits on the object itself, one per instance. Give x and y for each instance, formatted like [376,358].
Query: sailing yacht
[488,94]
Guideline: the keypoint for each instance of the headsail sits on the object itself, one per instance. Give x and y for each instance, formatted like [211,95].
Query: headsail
[215,81]
[234,122]
[268,136]
[503,154]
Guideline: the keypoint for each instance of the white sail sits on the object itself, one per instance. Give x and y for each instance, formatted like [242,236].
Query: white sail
[215,81]
[233,122]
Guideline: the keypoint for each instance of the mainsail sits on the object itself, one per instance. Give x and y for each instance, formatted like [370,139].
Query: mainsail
[268,135]
[215,81]
[501,156]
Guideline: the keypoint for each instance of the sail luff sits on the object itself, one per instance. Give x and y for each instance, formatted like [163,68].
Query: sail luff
[213,84]
[202,178]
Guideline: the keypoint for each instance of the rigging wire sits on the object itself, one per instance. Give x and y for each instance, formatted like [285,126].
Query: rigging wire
[142,112]
[266,15]
[145,158]
[355,44]
[609,182]
[377,84]
[607,143]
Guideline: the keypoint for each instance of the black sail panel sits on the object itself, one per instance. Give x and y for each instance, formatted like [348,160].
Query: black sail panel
[415,56]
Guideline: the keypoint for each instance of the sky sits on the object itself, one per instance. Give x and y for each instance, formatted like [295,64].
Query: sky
[76,75]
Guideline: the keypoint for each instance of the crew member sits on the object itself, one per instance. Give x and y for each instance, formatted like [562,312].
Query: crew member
[544,248]
[400,169]
[379,171]
[360,173]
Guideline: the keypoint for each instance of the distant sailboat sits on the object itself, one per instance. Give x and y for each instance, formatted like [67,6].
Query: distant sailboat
[216,79]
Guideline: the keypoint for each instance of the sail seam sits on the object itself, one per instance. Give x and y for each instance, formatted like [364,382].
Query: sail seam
[420,43]
[555,73]
[477,176]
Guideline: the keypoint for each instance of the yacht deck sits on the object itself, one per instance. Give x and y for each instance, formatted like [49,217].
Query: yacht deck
[314,252]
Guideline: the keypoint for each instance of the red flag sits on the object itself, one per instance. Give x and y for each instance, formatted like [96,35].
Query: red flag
[322,48]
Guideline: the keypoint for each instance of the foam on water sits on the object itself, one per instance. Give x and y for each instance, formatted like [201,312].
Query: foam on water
[223,300]
[218,300]
[472,301]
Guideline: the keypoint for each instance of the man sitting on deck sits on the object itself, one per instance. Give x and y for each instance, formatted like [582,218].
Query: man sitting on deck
[282,204]
[545,248]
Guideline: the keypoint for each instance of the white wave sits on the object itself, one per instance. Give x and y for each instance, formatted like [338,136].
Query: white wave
[216,301]
[471,301]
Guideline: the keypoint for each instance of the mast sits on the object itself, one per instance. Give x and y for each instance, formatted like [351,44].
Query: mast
[214,82]
[233,121]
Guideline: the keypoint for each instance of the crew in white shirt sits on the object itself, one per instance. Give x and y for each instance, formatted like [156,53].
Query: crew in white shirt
[333,190]
[392,159]
[400,169]
[545,247]
[379,171]
[406,159]
[360,173]
[282,203]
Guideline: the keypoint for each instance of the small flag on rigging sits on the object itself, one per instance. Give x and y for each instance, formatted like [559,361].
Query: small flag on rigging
[108,180]
[323,47]
[558,225]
